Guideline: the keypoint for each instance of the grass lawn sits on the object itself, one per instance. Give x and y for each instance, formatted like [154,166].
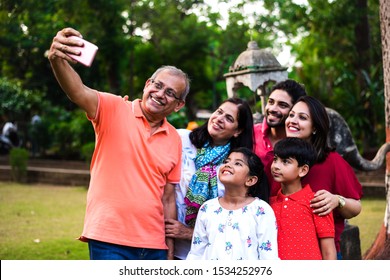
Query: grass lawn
[369,221]
[40,222]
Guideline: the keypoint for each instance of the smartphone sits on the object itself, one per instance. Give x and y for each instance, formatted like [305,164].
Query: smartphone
[88,52]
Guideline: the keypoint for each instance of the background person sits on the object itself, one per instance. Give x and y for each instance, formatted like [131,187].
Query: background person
[10,133]
[35,134]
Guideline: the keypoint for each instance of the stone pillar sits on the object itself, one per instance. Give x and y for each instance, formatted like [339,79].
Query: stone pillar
[350,243]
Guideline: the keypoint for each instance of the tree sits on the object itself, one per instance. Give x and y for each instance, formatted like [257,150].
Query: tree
[381,246]
[338,46]
[137,36]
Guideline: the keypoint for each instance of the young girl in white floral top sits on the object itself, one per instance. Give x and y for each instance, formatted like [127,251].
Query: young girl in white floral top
[203,151]
[237,225]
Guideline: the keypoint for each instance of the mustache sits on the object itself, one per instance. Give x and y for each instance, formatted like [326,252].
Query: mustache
[274,114]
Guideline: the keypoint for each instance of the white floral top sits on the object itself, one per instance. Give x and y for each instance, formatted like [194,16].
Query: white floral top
[248,233]
[182,247]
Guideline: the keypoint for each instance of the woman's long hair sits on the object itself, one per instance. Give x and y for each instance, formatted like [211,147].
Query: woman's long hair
[256,168]
[320,119]
[200,136]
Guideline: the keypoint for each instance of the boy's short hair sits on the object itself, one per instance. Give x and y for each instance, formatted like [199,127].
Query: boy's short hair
[296,148]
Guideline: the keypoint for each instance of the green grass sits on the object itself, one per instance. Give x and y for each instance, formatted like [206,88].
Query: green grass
[369,221]
[39,222]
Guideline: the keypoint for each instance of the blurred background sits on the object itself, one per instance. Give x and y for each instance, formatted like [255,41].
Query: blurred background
[332,47]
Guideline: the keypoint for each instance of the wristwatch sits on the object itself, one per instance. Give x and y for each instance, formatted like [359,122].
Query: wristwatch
[341,201]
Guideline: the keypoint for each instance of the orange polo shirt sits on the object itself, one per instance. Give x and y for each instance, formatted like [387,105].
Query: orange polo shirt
[129,170]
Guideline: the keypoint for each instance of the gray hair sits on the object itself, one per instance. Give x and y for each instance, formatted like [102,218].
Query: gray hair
[176,72]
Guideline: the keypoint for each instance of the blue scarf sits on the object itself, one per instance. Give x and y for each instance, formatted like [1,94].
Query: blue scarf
[203,185]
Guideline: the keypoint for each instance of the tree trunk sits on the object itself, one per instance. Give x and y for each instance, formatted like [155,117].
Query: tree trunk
[385,34]
[381,246]
[363,63]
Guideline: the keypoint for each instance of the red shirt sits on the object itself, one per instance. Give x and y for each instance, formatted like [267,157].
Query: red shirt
[336,176]
[298,227]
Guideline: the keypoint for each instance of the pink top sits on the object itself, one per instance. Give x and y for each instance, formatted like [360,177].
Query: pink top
[129,170]
[263,147]
[298,227]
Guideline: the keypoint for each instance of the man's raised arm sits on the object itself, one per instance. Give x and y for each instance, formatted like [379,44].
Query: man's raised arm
[71,83]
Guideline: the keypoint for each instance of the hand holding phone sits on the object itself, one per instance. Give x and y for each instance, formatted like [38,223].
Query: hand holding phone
[88,52]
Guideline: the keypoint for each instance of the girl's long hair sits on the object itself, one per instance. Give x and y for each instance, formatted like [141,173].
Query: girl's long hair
[320,120]
[256,168]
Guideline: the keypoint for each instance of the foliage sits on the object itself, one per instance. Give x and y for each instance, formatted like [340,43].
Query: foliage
[18,159]
[87,151]
[69,132]
[179,119]
[16,102]
[38,135]
[26,29]
[337,45]
[329,39]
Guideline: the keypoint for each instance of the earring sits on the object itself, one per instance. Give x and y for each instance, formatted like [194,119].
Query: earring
[314,132]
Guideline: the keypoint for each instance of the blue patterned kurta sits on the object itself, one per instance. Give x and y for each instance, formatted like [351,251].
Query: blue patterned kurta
[182,246]
[248,233]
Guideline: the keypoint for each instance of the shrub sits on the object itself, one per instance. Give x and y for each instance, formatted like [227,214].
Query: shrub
[178,119]
[18,159]
[87,151]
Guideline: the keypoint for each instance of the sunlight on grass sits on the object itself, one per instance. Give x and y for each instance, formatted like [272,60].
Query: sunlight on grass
[41,222]
[369,221]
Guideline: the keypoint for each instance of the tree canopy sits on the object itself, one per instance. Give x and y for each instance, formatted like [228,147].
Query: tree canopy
[336,46]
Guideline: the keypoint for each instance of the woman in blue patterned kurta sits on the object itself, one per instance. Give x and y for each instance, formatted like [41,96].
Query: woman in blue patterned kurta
[237,225]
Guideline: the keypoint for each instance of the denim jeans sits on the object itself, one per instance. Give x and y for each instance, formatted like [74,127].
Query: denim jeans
[106,251]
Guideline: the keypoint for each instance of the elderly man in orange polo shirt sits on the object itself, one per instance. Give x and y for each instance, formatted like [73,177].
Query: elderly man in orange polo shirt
[136,161]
